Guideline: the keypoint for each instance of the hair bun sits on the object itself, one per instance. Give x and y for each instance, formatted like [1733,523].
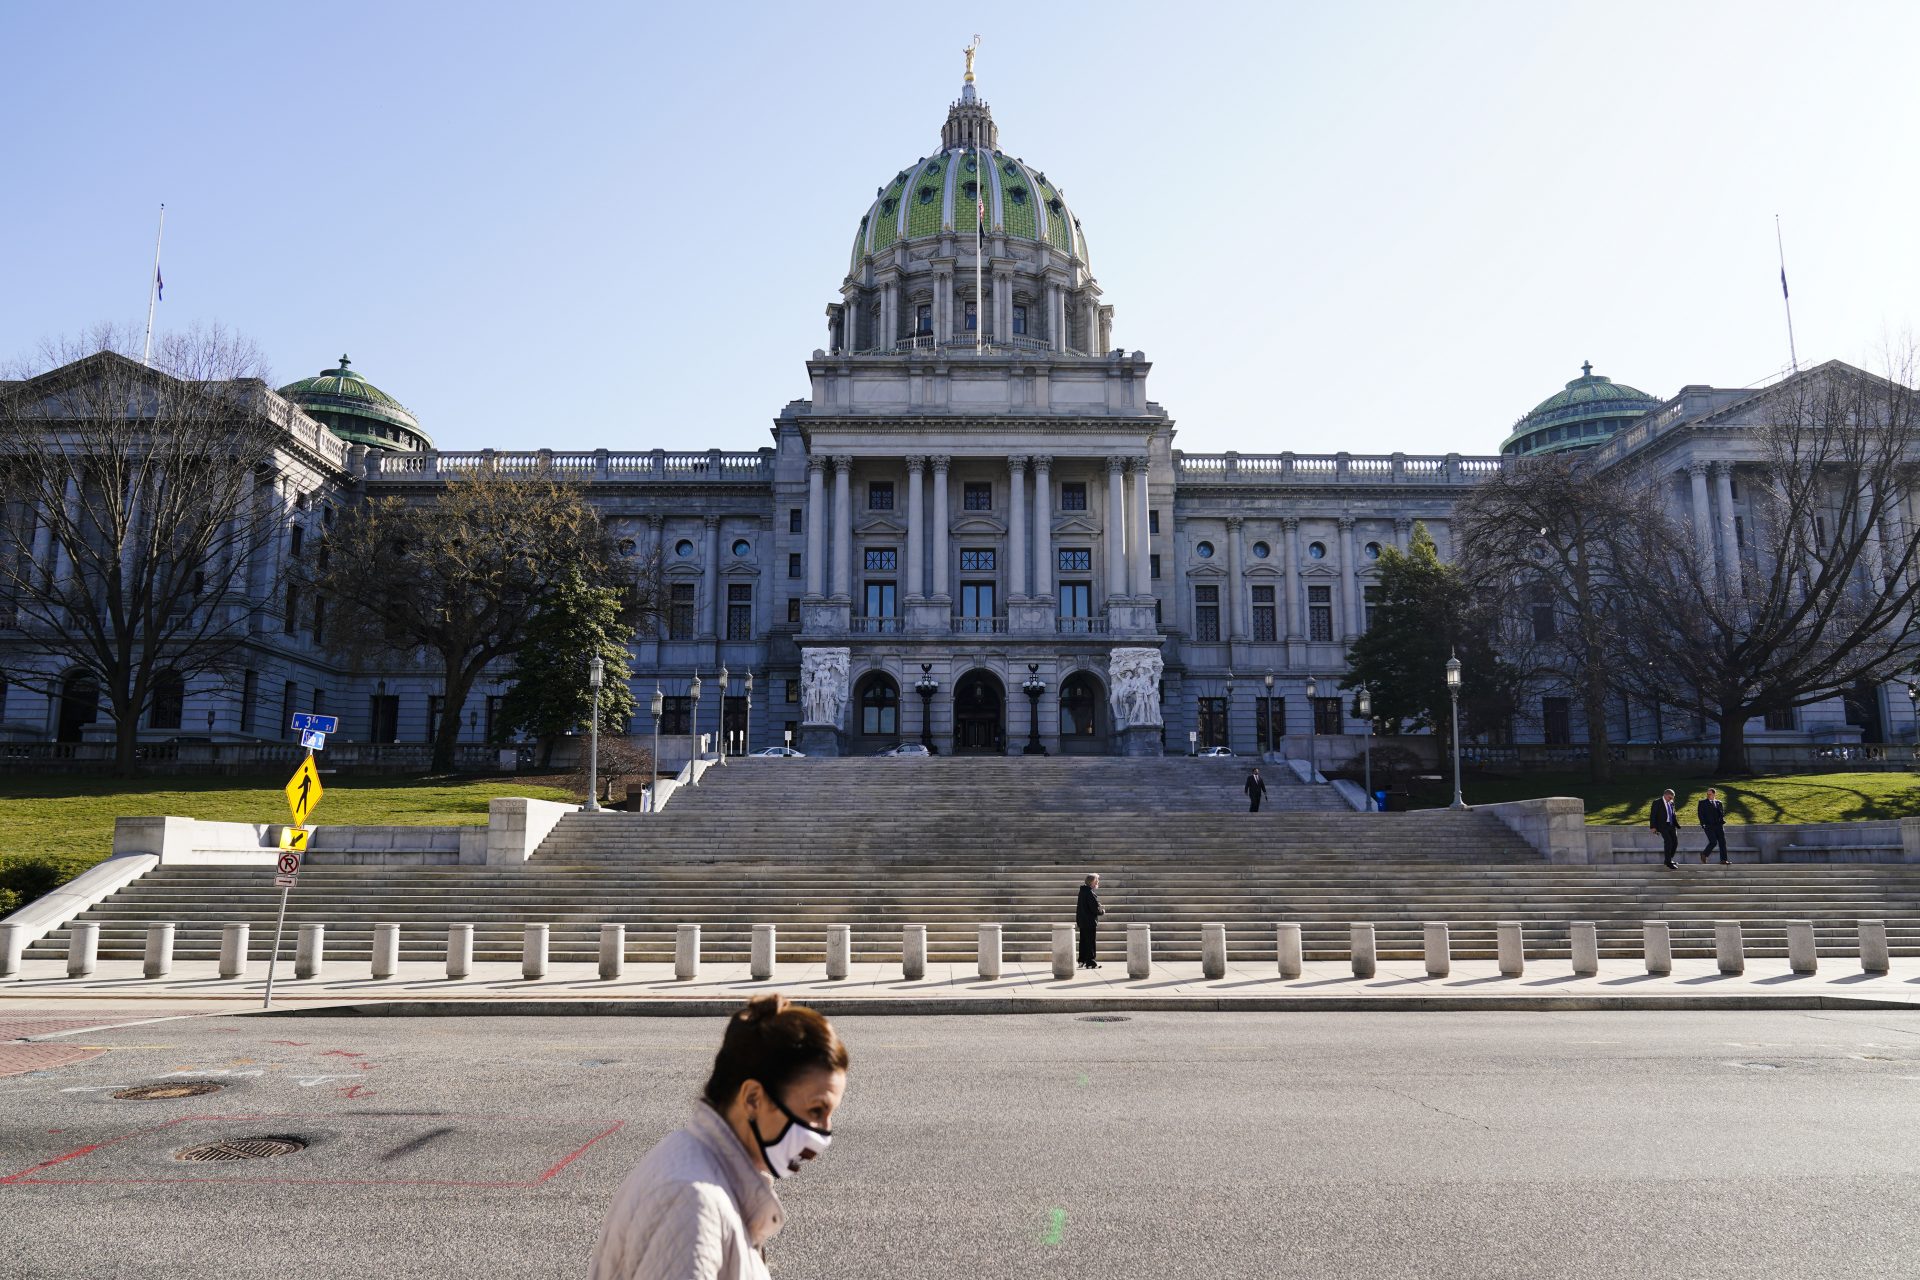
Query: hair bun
[764,1008]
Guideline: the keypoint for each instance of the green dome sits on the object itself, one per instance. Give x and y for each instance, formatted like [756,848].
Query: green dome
[937,195]
[356,410]
[1583,413]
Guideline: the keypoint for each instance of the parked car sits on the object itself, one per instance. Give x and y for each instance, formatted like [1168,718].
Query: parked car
[778,752]
[1217,753]
[904,749]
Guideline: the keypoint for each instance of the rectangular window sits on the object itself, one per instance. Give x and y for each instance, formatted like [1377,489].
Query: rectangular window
[436,704]
[1073,495]
[1739,531]
[879,495]
[383,714]
[680,612]
[1270,724]
[290,620]
[296,538]
[676,714]
[1556,721]
[1320,613]
[1264,627]
[977,560]
[882,559]
[739,611]
[1820,532]
[1783,721]
[496,727]
[1153,565]
[793,608]
[976,607]
[169,702]
[1327,714]
[1540,609]
[793,691]
[1153,520]
[1211,721]
[923,319]
[1076,607]
[793,564]
[1206,613]
[883,601]
[1076,560]
[289,703]
[249,698]
[977,495]
[1019,318]
[796,520]
[319,701]
[319,619]
[973,317]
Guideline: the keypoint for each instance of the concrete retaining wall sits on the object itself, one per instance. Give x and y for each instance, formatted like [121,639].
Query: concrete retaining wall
[515,827]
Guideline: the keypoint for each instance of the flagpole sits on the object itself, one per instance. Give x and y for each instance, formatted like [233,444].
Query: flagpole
[979,265]
[1793,356]
[153,289]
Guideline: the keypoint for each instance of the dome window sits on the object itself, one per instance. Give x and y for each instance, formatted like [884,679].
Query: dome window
[973,166]
[1316,551]
[1009,170]
[1204,550]
[1261,551]
[1055,207]
[926,195]
[887,206]
[972,189]
[1019,194]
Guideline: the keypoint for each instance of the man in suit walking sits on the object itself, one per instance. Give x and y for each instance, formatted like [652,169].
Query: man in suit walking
[1256,791]
[1667,822]
[1086,917]
[1712,814]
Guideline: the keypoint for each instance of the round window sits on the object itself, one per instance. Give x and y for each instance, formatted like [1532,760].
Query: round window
[1204,550]
[1317,550]
[626,546]
[1261,551]
[683,549]
[1373,551]
[741,546]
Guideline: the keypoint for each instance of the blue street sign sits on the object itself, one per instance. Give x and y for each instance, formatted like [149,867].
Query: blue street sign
[303,720]
[313,739]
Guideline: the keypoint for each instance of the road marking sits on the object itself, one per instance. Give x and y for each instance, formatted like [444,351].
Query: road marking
[1056,1226]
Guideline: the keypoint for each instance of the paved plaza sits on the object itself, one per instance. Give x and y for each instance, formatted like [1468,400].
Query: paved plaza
[1462,1144]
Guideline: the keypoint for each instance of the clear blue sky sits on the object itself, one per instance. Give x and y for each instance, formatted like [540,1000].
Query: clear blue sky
[1378,226]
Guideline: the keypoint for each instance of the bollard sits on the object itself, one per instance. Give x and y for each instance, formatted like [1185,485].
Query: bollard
[1874,957]
[1287,943]
[83,949]
[1511,944]
[839,950]
[1213,951]
[1657,939]
[13,940]
[913,952]
[1063,951]
[1139,950]
[1803,956]
[760,966]
[386,949]
[1365,955]
[310,951]
[1729,948]
[533,952]
[686,953]
[613,950]
[1585,941]
[459,950]
[159,960]
[989,950]
[1439,948]
[233,951]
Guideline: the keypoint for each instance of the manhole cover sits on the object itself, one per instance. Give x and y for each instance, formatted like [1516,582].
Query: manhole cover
[1106,1017]
[243,1149]
[185,1089]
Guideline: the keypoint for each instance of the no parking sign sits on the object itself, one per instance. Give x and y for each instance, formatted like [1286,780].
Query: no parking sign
[289,870]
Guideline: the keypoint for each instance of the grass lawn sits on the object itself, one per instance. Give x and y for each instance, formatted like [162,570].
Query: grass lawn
[1801,797]
[69,820]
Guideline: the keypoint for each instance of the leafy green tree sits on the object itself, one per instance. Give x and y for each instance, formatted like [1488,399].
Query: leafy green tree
[550,695]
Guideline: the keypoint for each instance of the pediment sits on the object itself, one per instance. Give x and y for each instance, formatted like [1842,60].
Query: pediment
[979,524]
[881,522]
[1262,569]
[1319,570]
[1206,569]
[1078,522]
[741,569]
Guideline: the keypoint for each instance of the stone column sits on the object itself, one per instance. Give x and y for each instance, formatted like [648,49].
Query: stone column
[1236,585]
[1290,525]
[940,521]
[1402,533]
[1042,527]
[816,526]
[1702,520]
[1017,527]
[1348,593]
[1138,552]
[942,309]
[916,529]
[1730,576]
[1870,540]
[1056,341]
[1116,528]
[1091,310]
[843,528]
[889,317]
[710,608]
[59,562]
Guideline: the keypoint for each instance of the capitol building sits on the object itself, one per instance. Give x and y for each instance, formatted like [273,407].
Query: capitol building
[975,528]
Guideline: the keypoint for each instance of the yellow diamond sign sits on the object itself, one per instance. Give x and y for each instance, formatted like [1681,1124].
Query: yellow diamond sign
[304,791]
[294,839]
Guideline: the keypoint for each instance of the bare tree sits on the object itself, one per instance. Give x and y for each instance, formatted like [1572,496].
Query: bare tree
[132,515]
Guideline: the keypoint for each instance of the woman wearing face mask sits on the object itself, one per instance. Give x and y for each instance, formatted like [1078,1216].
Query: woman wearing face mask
[700,1205]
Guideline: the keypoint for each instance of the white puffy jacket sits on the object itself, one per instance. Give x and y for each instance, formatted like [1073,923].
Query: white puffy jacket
[696,1207]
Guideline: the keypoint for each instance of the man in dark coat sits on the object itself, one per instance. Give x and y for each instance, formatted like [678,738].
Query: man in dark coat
[1667,822]
[1086,917]
[1256,791]
[1713,820]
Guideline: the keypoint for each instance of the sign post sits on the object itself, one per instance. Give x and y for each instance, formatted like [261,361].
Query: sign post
[303,793]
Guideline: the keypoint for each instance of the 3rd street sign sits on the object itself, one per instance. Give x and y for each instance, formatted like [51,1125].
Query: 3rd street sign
[304,720]
[304,791]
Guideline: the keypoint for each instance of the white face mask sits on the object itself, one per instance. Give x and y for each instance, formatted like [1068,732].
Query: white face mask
[796,1142]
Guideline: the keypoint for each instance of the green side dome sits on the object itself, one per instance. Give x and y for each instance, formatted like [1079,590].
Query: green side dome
[1583,413]
[357,411]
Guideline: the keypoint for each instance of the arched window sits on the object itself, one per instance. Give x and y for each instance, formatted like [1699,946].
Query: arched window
[169,701]
[1079,706]
[880,708]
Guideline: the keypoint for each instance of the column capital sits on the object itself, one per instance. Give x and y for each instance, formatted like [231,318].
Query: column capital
[1116,464]
[916,463]
[1723,469]
[1017,463]
[1141,465]
[816,462]
[941,462]
[843,464]
[1403,524]
[712,523]
[1696,468]
[1042,462]
[1290,523]
[1234,523]
[656,521]
[1345,523]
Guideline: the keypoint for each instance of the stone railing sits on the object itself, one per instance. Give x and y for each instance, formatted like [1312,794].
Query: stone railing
[247,757]
[658,465]
[1334,468]
[1696,759]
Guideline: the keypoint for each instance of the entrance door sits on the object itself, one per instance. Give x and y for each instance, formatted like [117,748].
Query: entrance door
[979,716]
[1862,706]
[735,726]
[79,705]
[1211,721]
[1082,731]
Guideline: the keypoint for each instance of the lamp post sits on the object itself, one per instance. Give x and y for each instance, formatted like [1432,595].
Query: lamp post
[746,732]
[1271,744]
[1453,693]
[693,691]
[1313,730]
[1913,702]
[596,674]
[926,688]
[1365,707]
[658,706]
[720,722]
[1226,721]
[1033,686]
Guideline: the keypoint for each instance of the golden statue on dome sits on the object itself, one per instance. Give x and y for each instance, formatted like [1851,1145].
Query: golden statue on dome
[970,50]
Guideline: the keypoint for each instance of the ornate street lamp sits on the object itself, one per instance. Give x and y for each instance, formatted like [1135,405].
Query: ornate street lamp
[721,723]
[1313,729]
[926,688]
[658,707]
[746,733]
[693,691]
[1271,744]
[1226,721]
[1364,705]
[1033,686]
[1913,702]
[1453,693]
[596,676]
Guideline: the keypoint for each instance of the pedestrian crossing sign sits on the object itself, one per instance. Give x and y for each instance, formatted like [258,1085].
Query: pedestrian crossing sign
[294,839]
[304,791]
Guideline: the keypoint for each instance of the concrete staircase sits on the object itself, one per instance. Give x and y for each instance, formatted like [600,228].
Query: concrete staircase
[950,843]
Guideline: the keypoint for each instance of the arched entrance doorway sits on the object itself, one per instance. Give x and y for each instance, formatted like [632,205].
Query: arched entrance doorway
[79,705]
[979,715]
[876,713]
[1083,720]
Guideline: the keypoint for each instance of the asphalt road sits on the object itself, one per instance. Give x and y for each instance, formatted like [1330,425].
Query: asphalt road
[1167,1145]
